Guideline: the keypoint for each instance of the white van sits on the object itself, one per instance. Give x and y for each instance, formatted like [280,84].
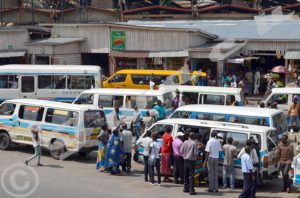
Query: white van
[244,115]
[209,95]
[47,82]
[282,96]
[267,138]
[65,128]
[126,100]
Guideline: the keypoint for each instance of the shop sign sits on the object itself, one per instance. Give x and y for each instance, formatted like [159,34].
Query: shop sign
[118,40]
[10,47]
[158,61]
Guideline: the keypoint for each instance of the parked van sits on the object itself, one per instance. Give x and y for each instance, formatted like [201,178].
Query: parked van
[266,137]
[282,96]
[65,128]
[126,100]
[48,82]
[209,95]
[244,115]
[139,79]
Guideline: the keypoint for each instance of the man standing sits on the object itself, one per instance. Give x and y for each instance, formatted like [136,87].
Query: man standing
[247,166]
[161,110]
[116,117]
[137,122]
[166,152]
[152,83]
[294,113]
[189,154]
[285,155]
[256,82]
[228,165]
[127,147]
[249,77]
[35,129]
[178,160]
[145,143]
[213,147]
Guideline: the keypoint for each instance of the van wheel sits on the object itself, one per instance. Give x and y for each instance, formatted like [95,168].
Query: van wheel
[5,141]
[57,148]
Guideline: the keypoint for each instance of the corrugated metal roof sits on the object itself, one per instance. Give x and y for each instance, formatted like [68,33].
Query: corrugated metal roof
[56,41]
[295,54]
[262,28]
[8,54]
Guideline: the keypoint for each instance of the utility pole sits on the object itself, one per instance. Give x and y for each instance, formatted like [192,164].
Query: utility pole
[32,12]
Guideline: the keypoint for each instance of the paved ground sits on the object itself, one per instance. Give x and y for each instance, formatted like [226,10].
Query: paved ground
[77,177]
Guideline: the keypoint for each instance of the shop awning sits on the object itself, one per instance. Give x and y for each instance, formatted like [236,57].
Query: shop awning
[169,54]
[295,54]
[8,54]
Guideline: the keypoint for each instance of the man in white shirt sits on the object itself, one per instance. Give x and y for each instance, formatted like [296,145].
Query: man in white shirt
[145,143]
[247,168]
[152,84]
[213,148]
[35,129]
[127,147]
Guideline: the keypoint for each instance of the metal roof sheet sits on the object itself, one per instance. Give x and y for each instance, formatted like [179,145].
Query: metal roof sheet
[56,41]
[8,54]
[262,28]
[293,54]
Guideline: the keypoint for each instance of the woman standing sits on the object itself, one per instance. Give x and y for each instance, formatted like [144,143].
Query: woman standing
[114,153]
[103,139]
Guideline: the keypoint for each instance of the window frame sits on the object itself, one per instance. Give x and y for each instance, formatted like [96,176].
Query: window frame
[32,106]
[112,99]
[15,107]
[205,98]
[59,109]
[15,77]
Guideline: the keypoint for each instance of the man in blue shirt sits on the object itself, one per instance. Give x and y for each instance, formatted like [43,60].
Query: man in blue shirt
[247,167]
[161,110]
[136,122]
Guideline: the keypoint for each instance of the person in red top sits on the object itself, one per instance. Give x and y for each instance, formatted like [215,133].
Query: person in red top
[166,152]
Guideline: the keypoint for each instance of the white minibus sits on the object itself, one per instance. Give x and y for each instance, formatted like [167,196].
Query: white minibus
[47,82]
[282,96]
[65,128]
[126,100]
[267,139]
[209,95]
[244,115]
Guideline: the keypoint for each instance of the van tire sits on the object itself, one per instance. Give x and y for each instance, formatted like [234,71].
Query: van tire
[57,148]
[5,141]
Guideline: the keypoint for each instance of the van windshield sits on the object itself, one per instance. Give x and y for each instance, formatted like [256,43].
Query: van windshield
[94,119]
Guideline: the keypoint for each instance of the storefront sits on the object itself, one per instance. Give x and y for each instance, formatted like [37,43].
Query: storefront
[292,58]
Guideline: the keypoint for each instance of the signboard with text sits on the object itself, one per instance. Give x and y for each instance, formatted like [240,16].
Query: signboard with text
[118,40]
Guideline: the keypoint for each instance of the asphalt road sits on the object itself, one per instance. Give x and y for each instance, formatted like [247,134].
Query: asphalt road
[76,177]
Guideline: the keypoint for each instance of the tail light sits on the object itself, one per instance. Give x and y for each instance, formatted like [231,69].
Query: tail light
[266,161]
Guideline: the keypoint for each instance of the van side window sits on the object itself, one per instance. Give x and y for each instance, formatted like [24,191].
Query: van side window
[7,109]
[62,117]
[81,82]
[110,101]
[248,120]
[9,81]
[230,99]
[214,99]
[257,138]
[140,79]
[279,98]
[33,113]
[94,119]
[85,99]
[168,97]
[271,145]
[203,131]
[142,102]
[118,78]
[160,129]
[52,82]
[239,139]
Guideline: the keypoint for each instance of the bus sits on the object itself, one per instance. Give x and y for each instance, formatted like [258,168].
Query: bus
[126,100]
[48,82]
[65,128]
[234,114]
